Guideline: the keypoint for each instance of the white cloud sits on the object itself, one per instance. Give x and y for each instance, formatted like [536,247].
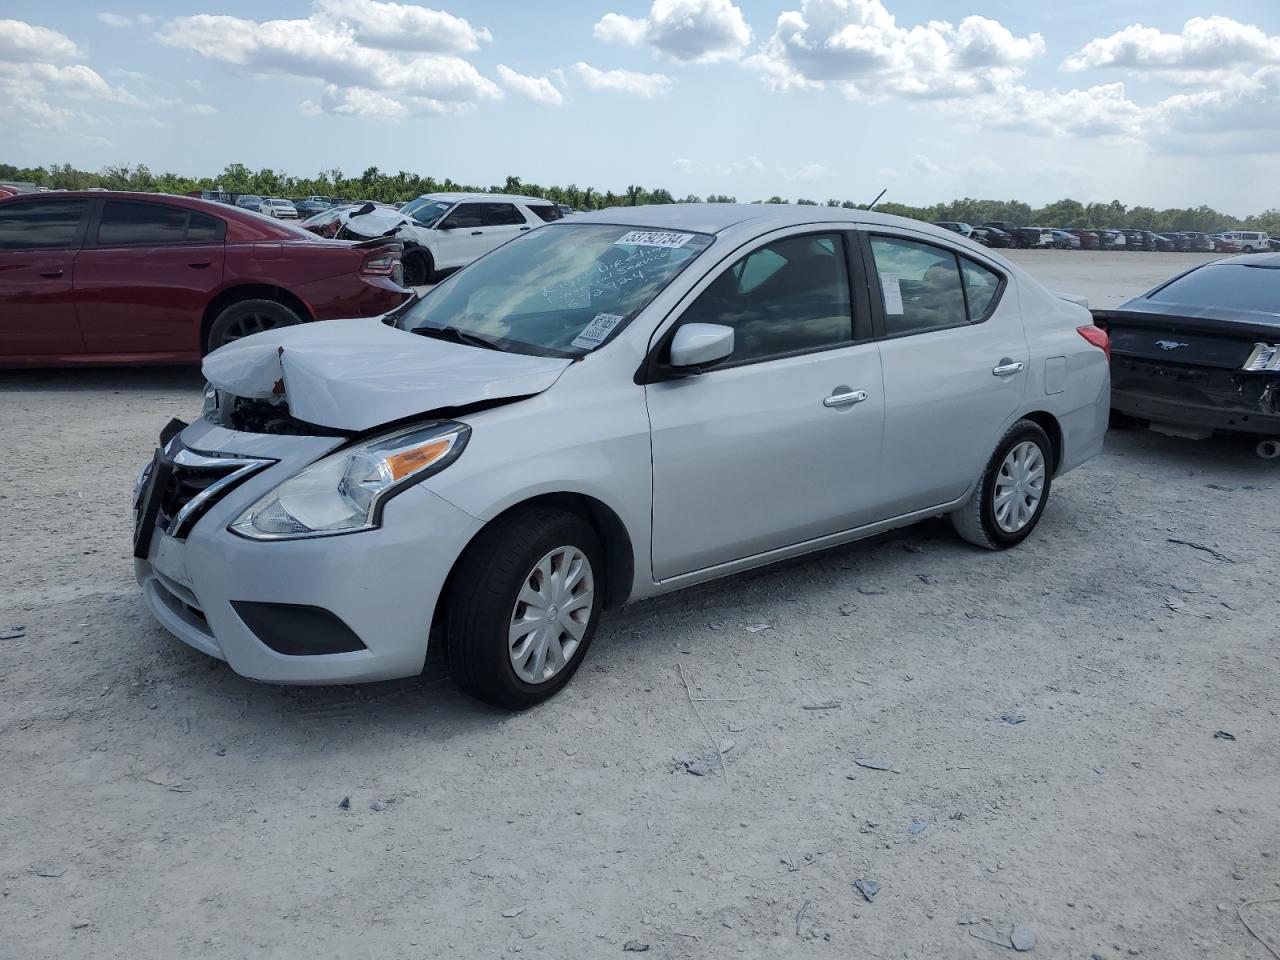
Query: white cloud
[689,31]
[202,109]
[615,28]
[858,45]
[1205,44]
[750,164]
[538,89]
[120,20]
[76,81]
[326,50]
[25,42]
[626,81]
[401,26]
[1099,111]
[805,174]
[1239,118]
[360,102]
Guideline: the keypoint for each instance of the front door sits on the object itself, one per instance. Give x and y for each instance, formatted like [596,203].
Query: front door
[955,366]
[462,236]
[39,241]
[780,444]
[145,276]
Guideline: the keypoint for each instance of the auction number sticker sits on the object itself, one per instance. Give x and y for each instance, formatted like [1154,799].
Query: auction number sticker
[892,290]
[594,333]
[652,238]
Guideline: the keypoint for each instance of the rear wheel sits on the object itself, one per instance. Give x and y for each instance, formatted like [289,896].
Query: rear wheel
[523,607]
[418,267]
[1013,491]
[247,317]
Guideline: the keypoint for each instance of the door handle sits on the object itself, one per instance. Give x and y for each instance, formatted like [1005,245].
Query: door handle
[476,233]
[1007,367]
[51,274]
[845,399]
[523,229]
[199,264]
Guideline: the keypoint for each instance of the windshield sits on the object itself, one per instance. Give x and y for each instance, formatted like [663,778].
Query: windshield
[558,291]
[427,211]
[1235,286]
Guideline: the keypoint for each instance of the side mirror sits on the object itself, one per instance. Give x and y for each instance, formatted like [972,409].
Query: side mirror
[447,224]
[700,344]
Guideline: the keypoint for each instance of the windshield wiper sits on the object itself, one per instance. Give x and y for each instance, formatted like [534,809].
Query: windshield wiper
[457,336]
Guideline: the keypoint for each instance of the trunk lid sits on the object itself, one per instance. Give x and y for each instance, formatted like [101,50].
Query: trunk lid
[354,375]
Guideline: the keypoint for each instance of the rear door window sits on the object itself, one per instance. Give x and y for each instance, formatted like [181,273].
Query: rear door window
[42,224]
[501,215]
[920,286]
[128,223]
[205,229]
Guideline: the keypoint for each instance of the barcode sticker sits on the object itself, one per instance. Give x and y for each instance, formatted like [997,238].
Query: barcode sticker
[652,238]
[594,333]
[892,294]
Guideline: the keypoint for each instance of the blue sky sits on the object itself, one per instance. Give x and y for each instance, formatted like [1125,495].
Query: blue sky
[1160,102]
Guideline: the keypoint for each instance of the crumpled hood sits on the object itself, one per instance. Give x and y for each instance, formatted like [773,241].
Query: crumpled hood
[357,374]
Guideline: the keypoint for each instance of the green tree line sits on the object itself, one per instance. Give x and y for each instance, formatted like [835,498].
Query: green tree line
[374,184]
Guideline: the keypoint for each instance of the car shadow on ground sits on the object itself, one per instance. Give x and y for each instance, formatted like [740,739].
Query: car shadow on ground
[633,641]
[102,379]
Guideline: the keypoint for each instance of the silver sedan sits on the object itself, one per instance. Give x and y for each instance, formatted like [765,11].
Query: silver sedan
[612,407]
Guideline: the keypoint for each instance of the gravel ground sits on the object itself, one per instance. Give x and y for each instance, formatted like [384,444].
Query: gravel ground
[156,805]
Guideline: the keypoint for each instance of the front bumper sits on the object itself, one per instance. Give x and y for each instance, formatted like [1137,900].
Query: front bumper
[382,584]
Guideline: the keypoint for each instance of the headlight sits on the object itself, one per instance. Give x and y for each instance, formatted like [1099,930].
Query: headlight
[345,491]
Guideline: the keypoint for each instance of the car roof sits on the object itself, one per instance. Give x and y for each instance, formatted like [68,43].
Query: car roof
[492,197]
[718,217]
[1271,260]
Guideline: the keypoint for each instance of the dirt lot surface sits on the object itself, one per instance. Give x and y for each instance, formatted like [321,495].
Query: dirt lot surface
[158,806]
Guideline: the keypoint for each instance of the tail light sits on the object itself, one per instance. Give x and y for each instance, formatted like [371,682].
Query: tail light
[1098,337]
[380,263]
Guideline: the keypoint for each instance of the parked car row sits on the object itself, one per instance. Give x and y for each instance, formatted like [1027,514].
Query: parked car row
[440,231]
[1003,234]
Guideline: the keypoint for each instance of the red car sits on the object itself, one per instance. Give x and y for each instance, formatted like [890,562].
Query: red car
[105,277]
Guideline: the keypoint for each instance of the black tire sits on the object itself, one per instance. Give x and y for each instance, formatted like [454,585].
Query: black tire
[975,521]
[246,317]
[483,598]
[418,267]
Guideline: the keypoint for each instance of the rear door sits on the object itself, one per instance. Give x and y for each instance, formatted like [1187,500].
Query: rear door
[502,221]
[146,274]
[39,240]
[955,365]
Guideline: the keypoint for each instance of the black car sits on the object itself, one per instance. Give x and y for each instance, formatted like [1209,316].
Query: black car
[1198,242]
[992,237]
[955,226]
[1139,240]
[1111,240]
[1008,226]
[309,208]
[1165,243]
[1201,352]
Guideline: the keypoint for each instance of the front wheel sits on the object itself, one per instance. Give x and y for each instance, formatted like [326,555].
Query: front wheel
[1011,496]
[418,267]
[523,607]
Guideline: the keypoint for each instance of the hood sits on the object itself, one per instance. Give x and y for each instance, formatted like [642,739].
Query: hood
[379,222]
[357,374]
